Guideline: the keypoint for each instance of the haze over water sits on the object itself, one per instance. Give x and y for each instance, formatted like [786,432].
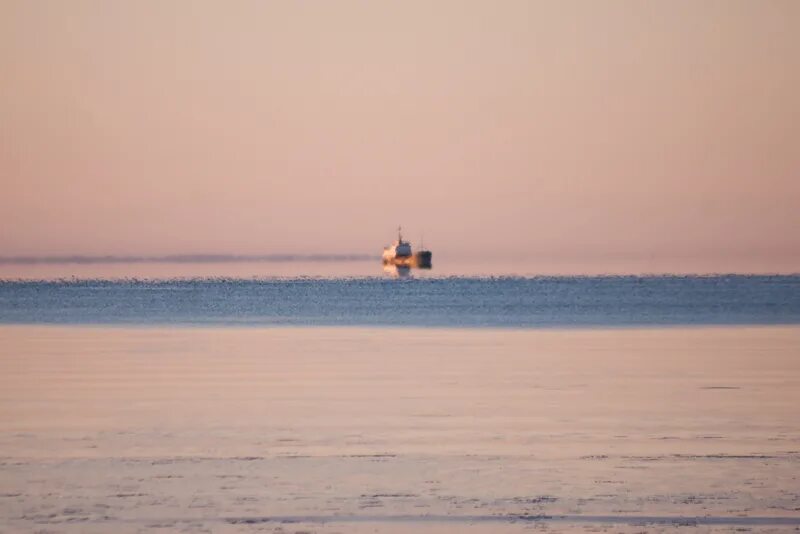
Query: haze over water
[594,137]
[608,341]
[370,266]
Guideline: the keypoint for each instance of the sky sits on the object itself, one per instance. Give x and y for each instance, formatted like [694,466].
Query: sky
[665,131]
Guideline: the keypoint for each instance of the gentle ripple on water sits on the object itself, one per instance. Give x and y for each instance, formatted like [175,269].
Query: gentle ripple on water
[444,302]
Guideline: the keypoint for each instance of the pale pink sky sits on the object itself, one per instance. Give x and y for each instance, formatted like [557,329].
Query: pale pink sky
[583,130]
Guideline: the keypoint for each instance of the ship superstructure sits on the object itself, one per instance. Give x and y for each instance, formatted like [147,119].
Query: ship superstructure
[399,253]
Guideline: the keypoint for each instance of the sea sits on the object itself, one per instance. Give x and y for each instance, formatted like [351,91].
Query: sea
[217,398]
[461,302]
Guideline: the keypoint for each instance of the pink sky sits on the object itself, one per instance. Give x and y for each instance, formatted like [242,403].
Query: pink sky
[568,130]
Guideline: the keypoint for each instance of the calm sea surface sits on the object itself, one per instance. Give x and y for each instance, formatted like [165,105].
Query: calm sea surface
[430,301]
[352,430]
[553,403]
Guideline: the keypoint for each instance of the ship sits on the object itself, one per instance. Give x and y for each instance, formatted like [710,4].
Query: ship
[400,254]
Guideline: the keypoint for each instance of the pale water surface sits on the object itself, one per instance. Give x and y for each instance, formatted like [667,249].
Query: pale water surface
[355,429]
[365,266]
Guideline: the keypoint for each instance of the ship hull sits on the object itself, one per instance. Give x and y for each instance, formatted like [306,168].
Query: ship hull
[420,260]
[423,259]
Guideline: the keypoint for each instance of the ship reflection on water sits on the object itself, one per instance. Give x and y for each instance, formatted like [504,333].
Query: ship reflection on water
[399,258]
[397,271]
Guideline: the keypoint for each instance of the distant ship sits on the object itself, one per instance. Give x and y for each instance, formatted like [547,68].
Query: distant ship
[401,255]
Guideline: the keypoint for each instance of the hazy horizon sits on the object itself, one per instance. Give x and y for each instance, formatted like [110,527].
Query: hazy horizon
[361,265]
[659,136]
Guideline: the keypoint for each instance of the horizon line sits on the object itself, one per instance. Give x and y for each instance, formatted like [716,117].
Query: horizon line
[183,258]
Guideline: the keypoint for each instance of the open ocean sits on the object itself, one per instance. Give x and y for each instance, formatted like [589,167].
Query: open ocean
[599,301]
[430,404]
